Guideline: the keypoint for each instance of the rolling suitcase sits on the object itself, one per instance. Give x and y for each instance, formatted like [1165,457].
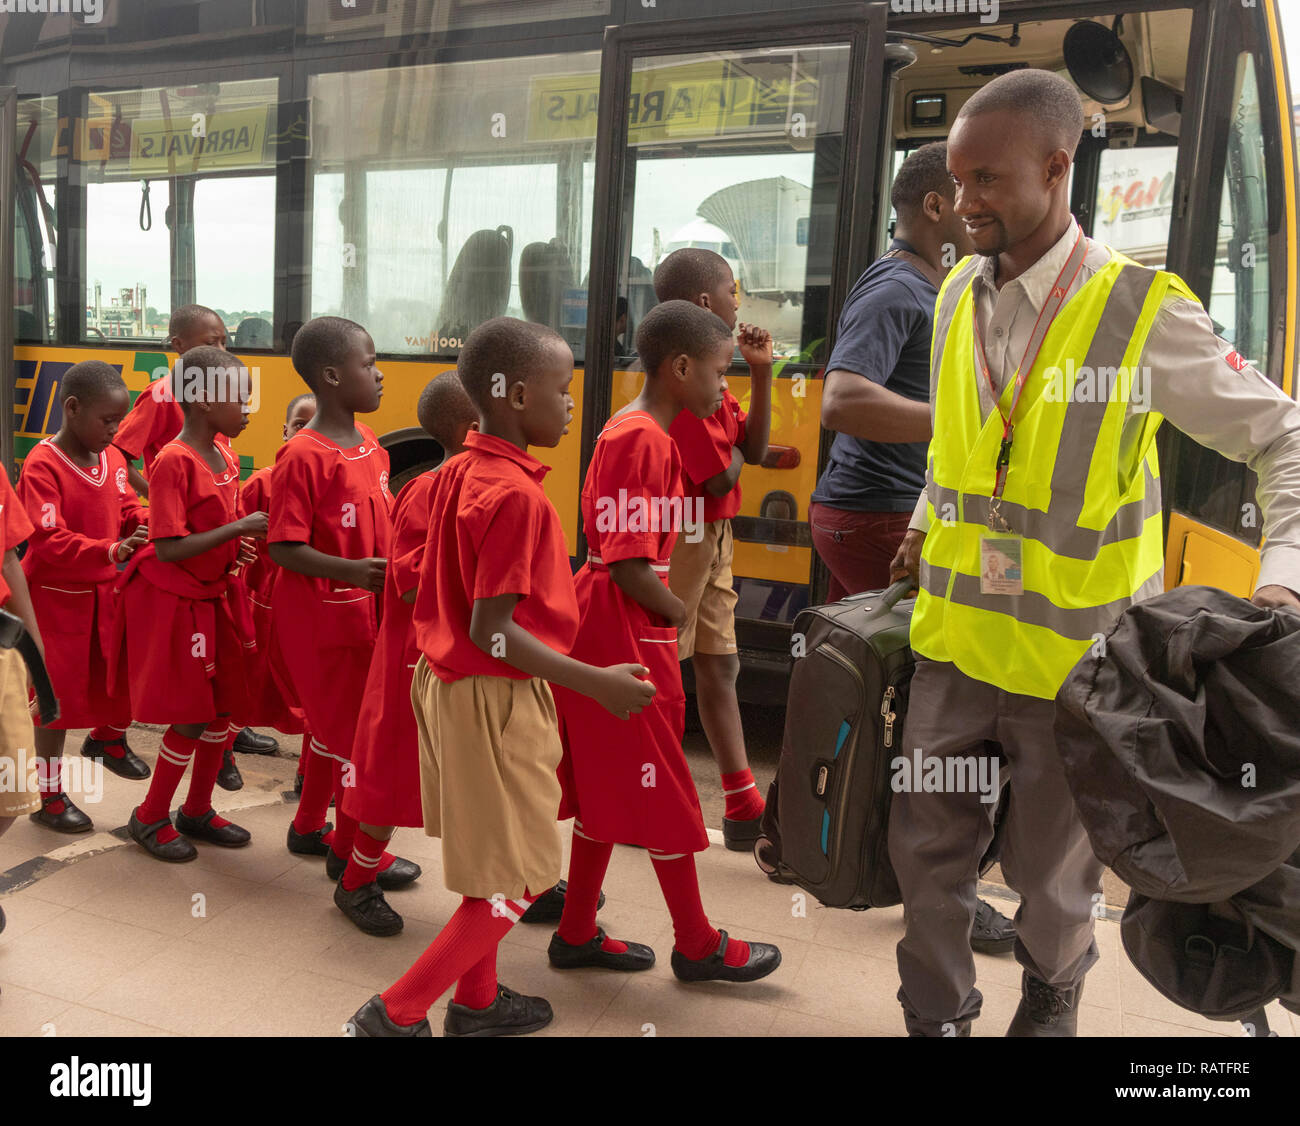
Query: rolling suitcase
[826,825]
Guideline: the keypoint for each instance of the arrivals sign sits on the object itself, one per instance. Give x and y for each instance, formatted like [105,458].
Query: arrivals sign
[202,143]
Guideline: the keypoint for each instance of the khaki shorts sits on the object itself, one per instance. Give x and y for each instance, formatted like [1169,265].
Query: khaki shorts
[17,740]
[700,575]
[489,749]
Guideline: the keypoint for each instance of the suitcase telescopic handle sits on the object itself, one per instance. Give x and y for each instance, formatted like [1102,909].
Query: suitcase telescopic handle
[893,595]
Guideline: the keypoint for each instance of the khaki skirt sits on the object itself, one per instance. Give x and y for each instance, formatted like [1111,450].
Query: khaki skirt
[489,748]
[19,792]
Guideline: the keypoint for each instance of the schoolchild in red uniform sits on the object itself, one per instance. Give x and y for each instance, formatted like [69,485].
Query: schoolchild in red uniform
[182,632]
[629,784]
[714,450]
[271,704]
[494,617]
[387,754]
[330,534]
[87,520]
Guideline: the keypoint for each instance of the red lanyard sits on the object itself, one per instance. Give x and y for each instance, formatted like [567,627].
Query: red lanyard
[1052,306]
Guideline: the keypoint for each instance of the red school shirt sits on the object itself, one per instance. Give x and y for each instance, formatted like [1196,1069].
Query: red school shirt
[335,499]
[492,531]
[14,526]
[185,497]
[153,420]
[705,445]
[79,514]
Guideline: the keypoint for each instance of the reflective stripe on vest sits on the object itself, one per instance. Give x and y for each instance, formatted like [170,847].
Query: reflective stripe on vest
[1082,489]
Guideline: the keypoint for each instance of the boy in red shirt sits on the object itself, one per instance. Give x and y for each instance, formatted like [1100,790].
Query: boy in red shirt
[630,784]
[182,631]
[387,755]
[86,520]
[713,451]
[330,534]
[494,616]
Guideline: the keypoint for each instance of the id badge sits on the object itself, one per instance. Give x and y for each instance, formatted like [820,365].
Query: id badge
[1000,564]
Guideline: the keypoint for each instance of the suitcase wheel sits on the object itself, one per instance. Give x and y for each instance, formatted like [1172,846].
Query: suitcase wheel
[763,858]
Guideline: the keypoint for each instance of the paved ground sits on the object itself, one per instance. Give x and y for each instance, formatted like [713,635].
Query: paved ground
[251,938]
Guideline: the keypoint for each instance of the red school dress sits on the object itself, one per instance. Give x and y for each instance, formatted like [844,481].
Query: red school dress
[627,780]
[80,515]
[269,695]
[336,499]
[387,749]
[182,633]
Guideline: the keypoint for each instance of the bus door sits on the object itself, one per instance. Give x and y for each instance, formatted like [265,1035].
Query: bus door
[8,216]
[761,147]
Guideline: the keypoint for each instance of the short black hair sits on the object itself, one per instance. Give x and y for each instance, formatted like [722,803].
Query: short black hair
[675,327]
[688,272]
[187,318]
[924,171]
[288,411]
[1045,101]
[90,380]
[323,342]
[444,407]
[515,348]
[209,359]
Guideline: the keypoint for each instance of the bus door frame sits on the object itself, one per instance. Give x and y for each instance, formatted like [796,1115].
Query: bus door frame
[861,26]
[8,140]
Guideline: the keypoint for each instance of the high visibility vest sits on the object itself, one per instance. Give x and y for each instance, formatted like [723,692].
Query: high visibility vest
[1086,504]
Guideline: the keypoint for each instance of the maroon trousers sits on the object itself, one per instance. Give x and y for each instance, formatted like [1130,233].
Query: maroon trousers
[857,547]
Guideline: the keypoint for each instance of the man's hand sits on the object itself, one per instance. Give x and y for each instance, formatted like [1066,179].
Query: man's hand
[908,560]
[1275,597]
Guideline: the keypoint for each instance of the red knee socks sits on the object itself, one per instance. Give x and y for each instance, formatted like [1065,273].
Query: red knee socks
[471,934]
[691,931]
[173,757]
[365,863]
[320,770]
[744,802]
[212,747]
[588,861]
[477,987]
[112,737]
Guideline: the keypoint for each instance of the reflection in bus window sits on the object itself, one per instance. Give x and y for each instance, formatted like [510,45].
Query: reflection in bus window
[430,184]
[180,204]
[1239,290]
[34,221]
[739,153]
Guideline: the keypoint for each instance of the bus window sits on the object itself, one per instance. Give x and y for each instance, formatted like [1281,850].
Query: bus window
[1238,302]
[1135,191]
[180,205]
[449,194]
[361,19]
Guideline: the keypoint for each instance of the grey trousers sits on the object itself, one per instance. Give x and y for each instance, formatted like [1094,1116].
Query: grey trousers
[936,841]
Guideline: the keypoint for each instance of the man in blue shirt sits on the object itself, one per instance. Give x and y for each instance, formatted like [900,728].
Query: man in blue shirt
[876,398]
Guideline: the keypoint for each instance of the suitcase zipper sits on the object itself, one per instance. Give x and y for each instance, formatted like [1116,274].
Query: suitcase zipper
[889,715]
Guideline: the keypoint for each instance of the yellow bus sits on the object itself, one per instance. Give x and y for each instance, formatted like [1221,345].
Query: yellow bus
[423,165]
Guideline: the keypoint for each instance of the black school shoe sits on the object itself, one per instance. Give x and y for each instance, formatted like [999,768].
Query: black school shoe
[739,836]
[565,957]
[1046,1010]
[993,932]
[130,765]
[309,844]
[228,777]
[249,742]
[200,828]
[71,820]
[549,906]
[511,1014]
[763,959]
[368,909]
[372,1019]
[398,874]
[176,851]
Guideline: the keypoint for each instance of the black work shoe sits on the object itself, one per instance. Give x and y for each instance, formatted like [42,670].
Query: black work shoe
[993,932]
[511,1014]
[372,1019]
[368,909]
[2,920]
[200,828]
[228,777]
[309,844]
[130,765]
[549,906]
[739,836]
[1046,1010]
[71,820]
[249,742]
[763,959]
[566,957]
[175,851]
[398,874]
